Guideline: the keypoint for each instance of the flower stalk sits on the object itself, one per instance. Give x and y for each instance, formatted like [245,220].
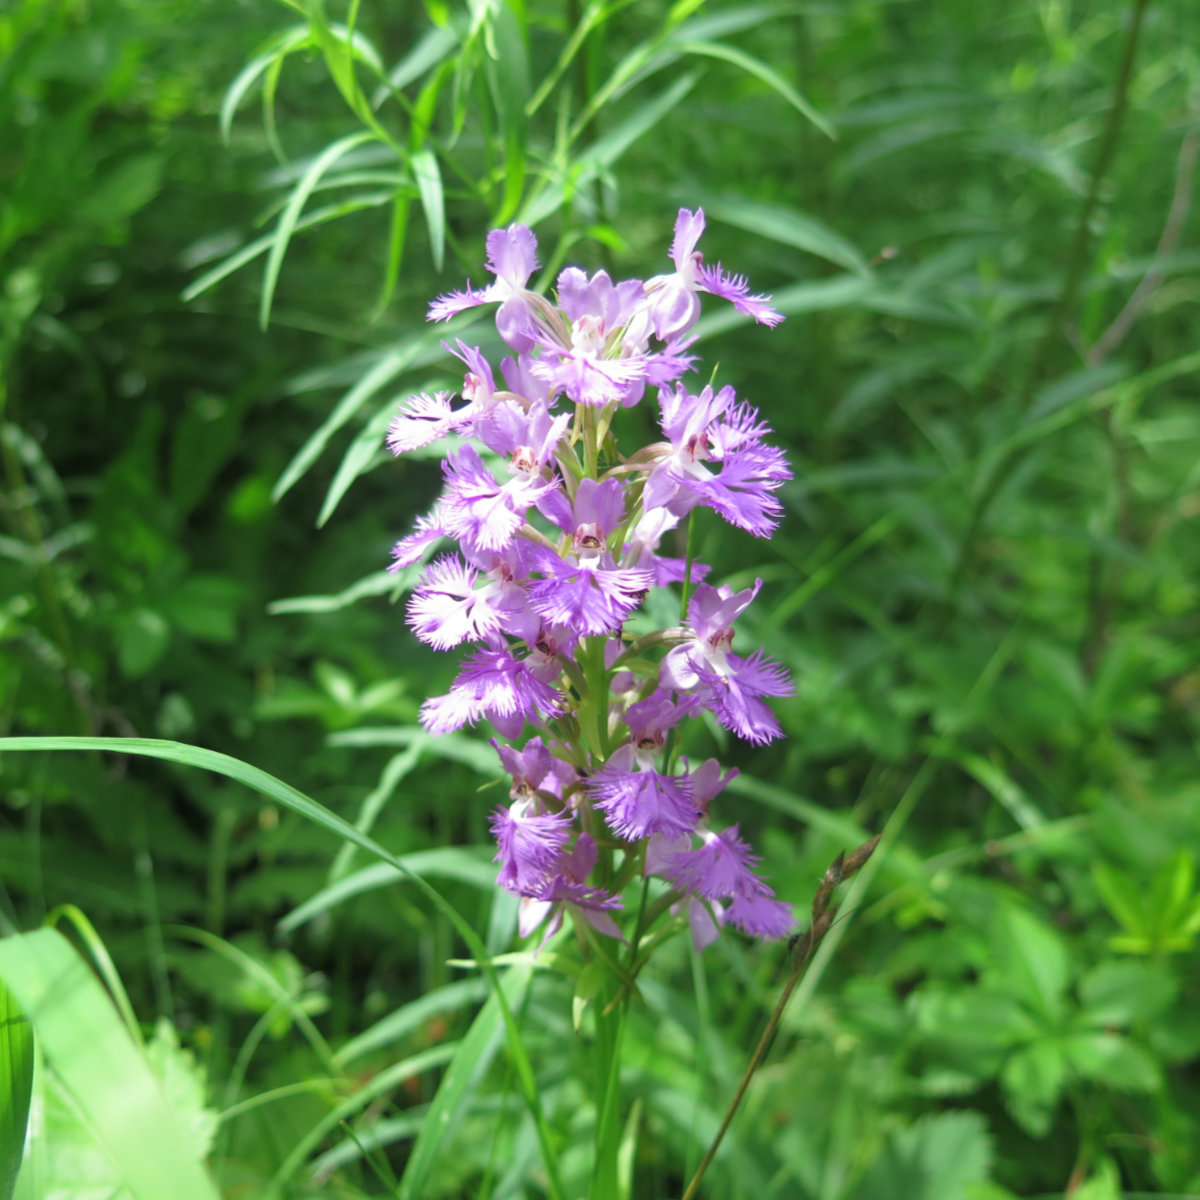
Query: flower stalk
[557,534]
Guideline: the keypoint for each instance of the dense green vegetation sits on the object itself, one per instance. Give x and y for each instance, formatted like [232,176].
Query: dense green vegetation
[977,219]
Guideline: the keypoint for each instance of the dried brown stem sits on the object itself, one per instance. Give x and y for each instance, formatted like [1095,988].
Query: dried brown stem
[803,947]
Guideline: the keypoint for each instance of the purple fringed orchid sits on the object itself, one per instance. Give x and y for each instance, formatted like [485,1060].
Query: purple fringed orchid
[559,539]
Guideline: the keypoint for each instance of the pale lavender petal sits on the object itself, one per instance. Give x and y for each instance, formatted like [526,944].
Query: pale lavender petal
[637,804]
[720,868]
[512,254]
[452,303]
[736,290]
[530,843]
[760,916]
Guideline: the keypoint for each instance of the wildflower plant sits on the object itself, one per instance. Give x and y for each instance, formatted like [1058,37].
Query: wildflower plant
[559,544]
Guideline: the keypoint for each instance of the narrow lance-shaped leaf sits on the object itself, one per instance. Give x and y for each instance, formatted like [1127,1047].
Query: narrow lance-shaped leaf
[16,1087]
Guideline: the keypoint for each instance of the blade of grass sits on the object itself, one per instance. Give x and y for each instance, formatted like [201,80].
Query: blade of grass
[450,862]
[378,1086]
[474,1054]
[286,795]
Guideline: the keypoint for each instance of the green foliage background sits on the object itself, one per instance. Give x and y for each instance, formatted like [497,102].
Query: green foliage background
[978,221]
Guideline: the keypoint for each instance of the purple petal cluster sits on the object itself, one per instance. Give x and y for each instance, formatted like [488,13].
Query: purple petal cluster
[557,537]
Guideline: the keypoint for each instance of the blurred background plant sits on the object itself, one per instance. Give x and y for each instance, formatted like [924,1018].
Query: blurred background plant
[986,584]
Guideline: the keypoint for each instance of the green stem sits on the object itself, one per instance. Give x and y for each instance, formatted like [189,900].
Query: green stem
[610,1027]
[1077,264]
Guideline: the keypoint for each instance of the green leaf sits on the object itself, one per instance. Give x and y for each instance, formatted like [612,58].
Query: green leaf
[318,216]
[89,1051]
[790,228]
[1122,992]
[144,640]
[760,70]
[452,1102]
[1122,898]
[429,186]
[378,583]
[125,189]
[1033,1079]
[288,41]
[1028,961]
[467,864]
[16,1087]
[607,149]
[389,365]
[411,1017]
[509,71]
[1113,1059]
[936,1158]
[286,224]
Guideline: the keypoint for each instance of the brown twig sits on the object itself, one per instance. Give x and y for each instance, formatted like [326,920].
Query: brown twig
[1177,215]
[803,947]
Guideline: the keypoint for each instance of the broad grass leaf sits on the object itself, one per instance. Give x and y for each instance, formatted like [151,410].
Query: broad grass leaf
[16,1086]
[411,1017]
[248,253]
[472,1058]
[296,801]
[89,1052]
[379,1085]
[471,752]
[508,68]
[433,203]
[279,47]
[378,583]
[431,48]
[385,369]
[762,71]
[605,151]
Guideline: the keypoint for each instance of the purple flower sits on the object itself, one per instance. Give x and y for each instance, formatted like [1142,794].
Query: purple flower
[497,685]
[569,890]
[760,916]
[728,685]
[534,769]
[478,510]
[529,593]
[720,868]
[512,258]
[530,842]
[423,419]
[638,801]
[642,549]
[713,430]
[447,608]
[526,437]
[673,304]
[409,550]
[584,588]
